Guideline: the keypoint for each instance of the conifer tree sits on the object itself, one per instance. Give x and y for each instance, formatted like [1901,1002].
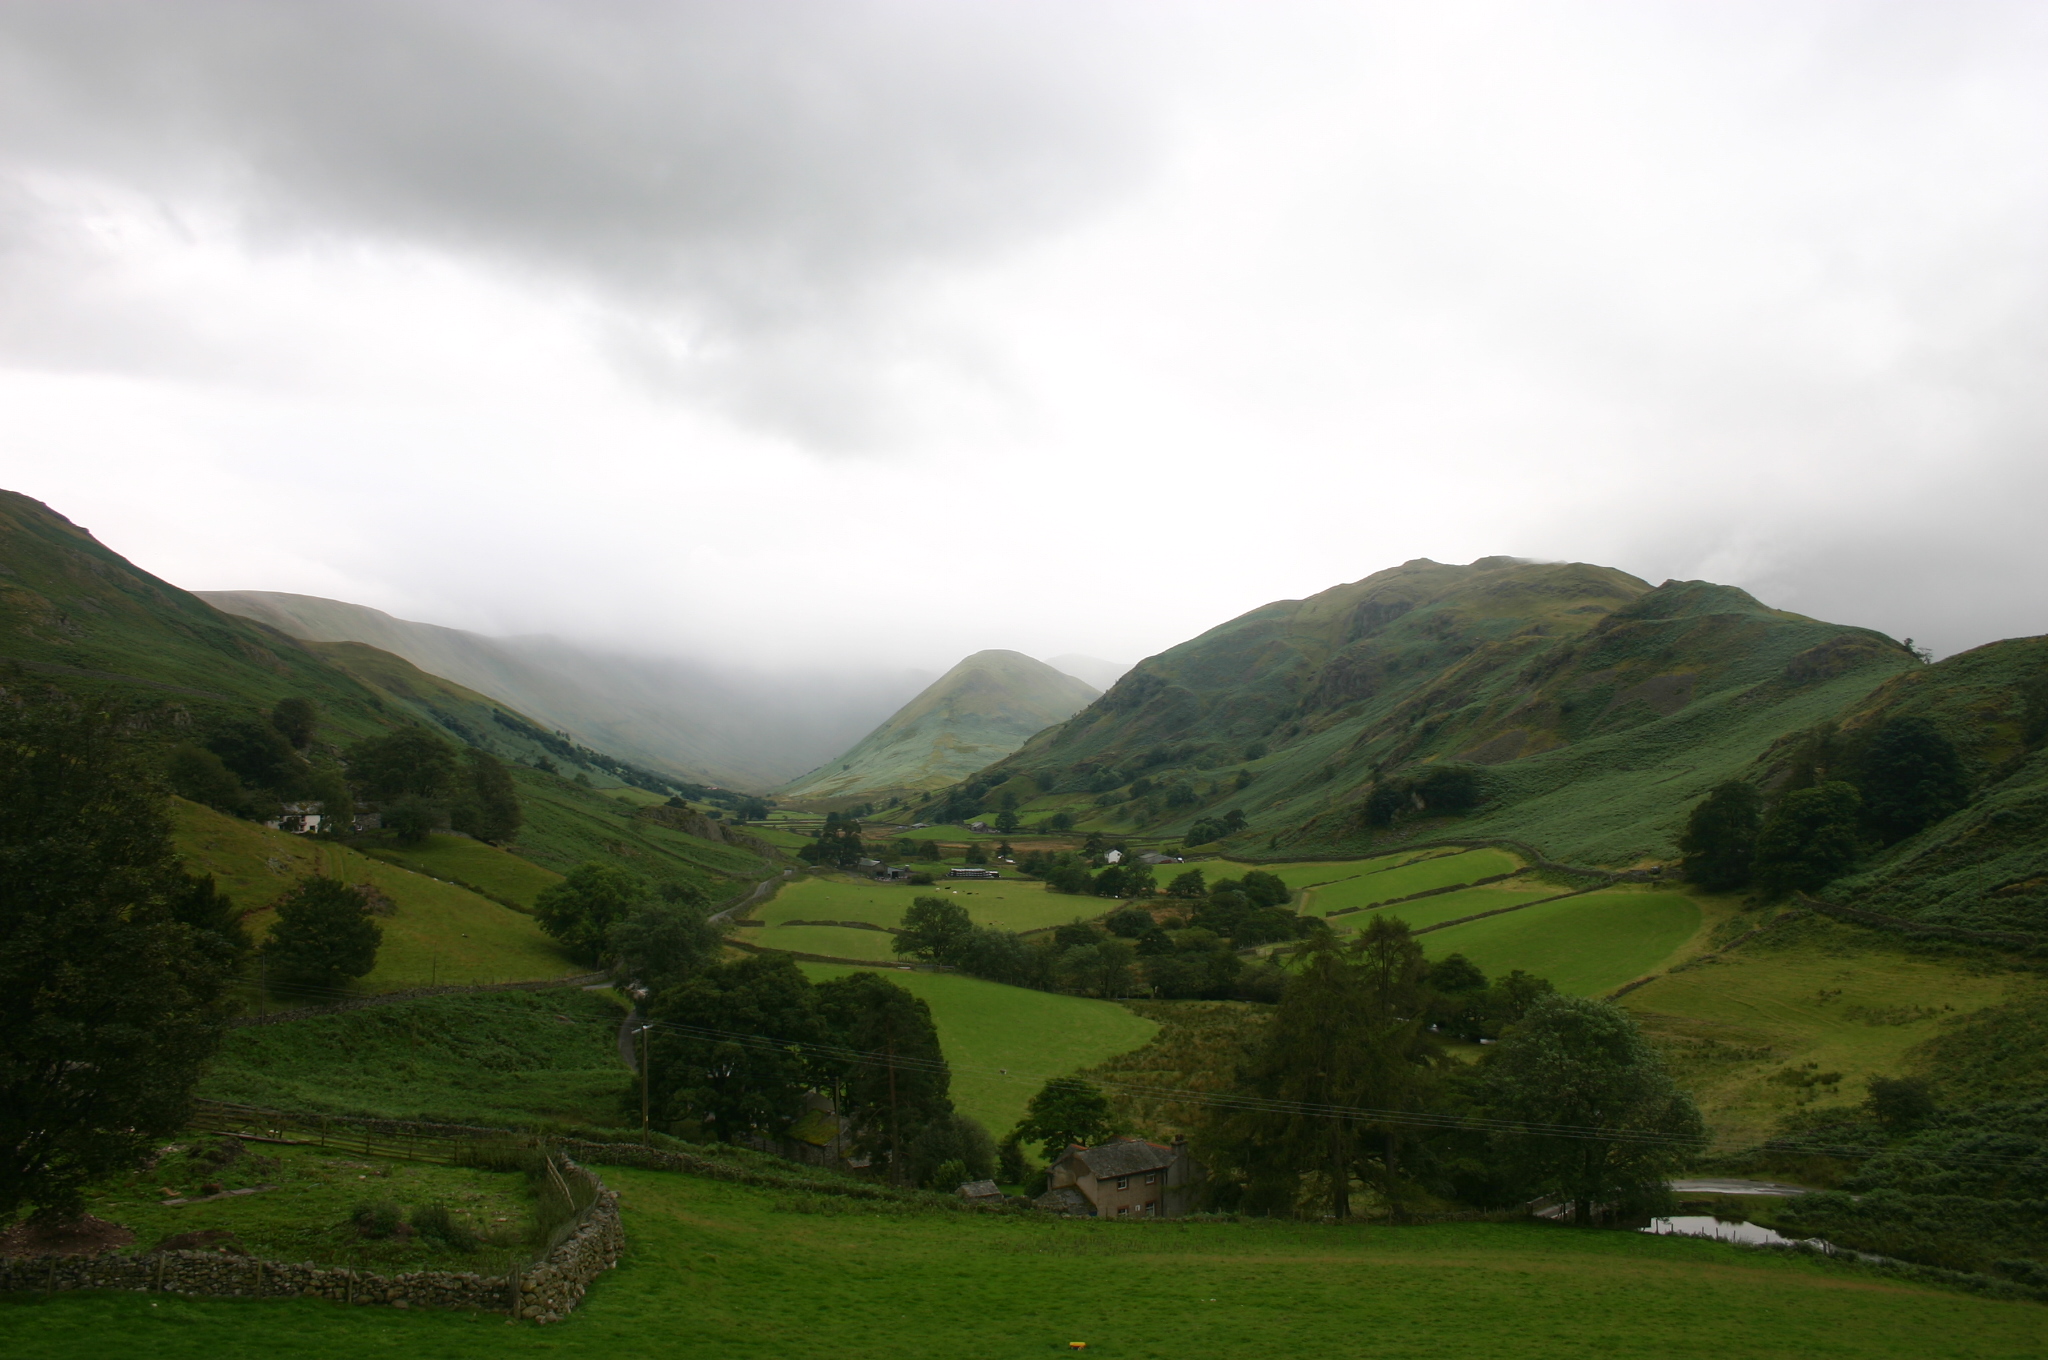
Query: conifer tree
[324,935]
[113,966]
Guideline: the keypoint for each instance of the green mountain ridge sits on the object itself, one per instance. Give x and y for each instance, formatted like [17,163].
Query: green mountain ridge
[1595,708]
[979,711]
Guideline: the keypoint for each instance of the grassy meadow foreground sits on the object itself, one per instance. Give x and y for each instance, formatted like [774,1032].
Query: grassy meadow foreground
[720,1270]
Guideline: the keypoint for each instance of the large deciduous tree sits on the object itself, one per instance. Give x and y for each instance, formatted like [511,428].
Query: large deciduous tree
[1604,1125]
[113,965]
[1810,837]
[581,910]
[662,945]
[729,1047]
[1066,1111]
[409,763]
[934,929]
[1719,844]
[890,1079]
[487,804]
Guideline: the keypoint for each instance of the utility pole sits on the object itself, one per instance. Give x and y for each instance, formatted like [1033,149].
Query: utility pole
[895,1124]
[643,1084]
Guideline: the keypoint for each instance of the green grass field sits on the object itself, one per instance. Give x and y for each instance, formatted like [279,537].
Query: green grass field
[440,932]
[491,1059]
[473,864]
[1012,903]
[1387,877]
[985,1027]
[306,1217]
[1450,906]
[834,942]
[728,1272]
[1851,1002]
[1585,945]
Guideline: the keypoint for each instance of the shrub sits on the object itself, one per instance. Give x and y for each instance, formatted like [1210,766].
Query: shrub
[380,1220]
[435,1223]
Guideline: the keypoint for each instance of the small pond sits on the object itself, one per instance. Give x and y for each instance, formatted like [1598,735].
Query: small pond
[1739,1231]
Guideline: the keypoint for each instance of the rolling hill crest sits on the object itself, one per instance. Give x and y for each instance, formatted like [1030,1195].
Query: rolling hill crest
[1564,685]
[974,714]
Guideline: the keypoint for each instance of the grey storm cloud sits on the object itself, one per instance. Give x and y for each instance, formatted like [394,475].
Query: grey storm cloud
[727,181]
[1193,303]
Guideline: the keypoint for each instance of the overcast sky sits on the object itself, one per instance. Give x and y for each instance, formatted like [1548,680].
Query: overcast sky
[787,332]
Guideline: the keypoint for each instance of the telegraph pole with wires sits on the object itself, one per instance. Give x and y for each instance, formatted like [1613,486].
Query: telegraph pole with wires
[645,1136]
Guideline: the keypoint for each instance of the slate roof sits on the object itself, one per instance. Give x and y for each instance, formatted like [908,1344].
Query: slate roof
[1066,1200]
[979,1190]
[1124,1157]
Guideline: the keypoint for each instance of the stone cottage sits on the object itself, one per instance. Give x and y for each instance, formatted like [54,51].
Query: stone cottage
[1124,1178]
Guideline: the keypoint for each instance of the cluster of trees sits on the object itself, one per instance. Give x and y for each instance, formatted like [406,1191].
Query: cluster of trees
[252,766]
[1843,801]
[1437,791]
[422,782]
[737,1049]
[1349,1093]
[837,843]
[600,913]
[1216,828]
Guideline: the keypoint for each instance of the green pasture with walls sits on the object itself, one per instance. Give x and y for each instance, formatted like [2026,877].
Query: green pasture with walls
[495,873]
[1585,945]
[1011,903]
[719,1271]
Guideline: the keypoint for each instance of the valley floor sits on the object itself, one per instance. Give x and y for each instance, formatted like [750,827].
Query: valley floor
[726,1271]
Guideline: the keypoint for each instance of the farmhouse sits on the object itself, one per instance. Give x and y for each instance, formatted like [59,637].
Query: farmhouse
[298,818]
[1124,1178]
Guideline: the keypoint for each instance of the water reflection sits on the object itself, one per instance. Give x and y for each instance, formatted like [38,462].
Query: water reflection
[1728,1230]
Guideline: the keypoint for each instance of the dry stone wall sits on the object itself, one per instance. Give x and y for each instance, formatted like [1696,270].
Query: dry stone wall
[545,1291]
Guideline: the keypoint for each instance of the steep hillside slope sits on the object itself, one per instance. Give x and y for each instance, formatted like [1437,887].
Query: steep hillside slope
[1592,708]
[1985,867]
[976,713]
[76,615]
[697,722]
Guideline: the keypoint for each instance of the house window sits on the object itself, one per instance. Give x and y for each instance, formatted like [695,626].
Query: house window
[1152,1179]
[1123,1183]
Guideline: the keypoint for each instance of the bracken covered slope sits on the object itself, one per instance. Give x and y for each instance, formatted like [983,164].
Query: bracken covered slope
[1985,867]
